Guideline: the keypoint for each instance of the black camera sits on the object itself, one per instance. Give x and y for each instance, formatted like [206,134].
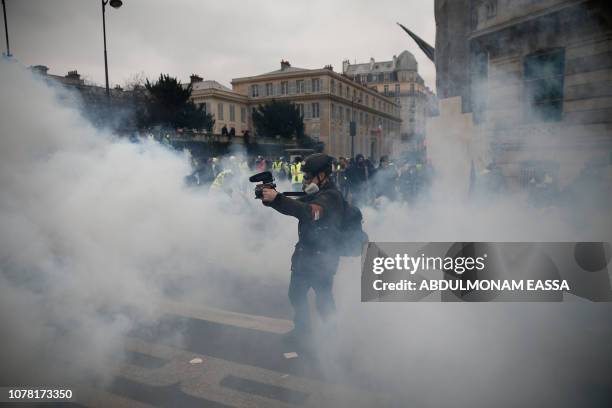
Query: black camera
[267,181]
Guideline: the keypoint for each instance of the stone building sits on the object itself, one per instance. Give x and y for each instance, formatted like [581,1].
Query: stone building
[535,80]
[326,99]
[228,107]
[93,101]
[398,79]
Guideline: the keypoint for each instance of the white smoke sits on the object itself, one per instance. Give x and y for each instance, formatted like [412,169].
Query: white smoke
[97,233]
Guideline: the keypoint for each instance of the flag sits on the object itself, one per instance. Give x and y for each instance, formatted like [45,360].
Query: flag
[426,48]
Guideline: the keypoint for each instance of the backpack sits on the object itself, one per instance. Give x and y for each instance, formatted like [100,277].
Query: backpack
[352,237]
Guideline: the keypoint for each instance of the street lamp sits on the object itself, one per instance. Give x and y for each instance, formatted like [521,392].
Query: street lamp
[8,48]
[114,4]
[353,124]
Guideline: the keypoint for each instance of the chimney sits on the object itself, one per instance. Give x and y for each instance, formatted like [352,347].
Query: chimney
[394,61]
[40,69]
[73,75]
[285,64]
[345,66]
[193,78]
[371,63]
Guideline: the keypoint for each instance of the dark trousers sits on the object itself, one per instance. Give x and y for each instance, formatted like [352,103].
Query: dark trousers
[298,296]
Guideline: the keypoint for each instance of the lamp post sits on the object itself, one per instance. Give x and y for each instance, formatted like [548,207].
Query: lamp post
[114,4]
[353,125]
[8,48]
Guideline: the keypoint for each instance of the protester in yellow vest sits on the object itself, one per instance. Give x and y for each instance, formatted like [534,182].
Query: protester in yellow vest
[297,177]
[277,165]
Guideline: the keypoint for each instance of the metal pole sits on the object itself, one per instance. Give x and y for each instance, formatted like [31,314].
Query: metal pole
[105,57]
[8,47]
[351,126]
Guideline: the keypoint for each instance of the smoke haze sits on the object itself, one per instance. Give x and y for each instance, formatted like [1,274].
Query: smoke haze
[97,233]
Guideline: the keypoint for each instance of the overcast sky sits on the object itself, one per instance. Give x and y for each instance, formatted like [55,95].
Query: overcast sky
[218,40]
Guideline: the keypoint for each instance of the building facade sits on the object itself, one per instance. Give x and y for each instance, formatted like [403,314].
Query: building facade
[229,108]
[328,102]
[535,79]
[398,79]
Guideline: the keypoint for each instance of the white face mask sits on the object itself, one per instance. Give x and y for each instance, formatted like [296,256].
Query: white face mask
[310,188]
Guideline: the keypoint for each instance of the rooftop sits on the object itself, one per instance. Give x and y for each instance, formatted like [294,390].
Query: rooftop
[405,61]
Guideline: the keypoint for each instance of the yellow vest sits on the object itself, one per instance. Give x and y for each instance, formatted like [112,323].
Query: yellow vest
[218,183]
[277,165]
[296,173]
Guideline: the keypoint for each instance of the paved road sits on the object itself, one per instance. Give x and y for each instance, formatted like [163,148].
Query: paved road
[243,365]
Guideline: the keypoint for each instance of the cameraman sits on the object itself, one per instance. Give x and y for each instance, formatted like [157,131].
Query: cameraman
[315,259]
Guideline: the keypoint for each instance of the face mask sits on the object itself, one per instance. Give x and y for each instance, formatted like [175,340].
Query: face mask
[310,188]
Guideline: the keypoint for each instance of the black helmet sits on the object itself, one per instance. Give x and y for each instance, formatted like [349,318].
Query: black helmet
[316,163]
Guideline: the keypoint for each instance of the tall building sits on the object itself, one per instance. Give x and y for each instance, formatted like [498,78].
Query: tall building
[327,100]
[532,78]
[398,79]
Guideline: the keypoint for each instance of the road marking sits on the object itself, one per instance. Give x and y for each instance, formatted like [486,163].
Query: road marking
[205,380]
[247,321]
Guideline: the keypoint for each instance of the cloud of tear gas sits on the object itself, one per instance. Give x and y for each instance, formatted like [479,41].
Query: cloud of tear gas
[493,354]
[97,232]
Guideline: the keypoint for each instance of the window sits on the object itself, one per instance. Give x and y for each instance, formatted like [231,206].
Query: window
[316,85]
[300,107]
[204,108]
[341,111]
[333,86]
[243,115]
[403,76]
[347,92]
[361,118]
[333,111]
[348,114]
[232,113]
[386,91]
[369,78]
[367,119]
[315,109]
[386,77]
[397,89]
[491,9]
[381,78]
[269,89]
[284,88]
[220,111]
[543,81]
[367,102]
[254,90]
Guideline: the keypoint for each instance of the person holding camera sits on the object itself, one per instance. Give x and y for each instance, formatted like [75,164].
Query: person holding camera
[316,255]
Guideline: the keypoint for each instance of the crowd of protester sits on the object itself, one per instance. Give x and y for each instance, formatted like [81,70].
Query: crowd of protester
[361,181]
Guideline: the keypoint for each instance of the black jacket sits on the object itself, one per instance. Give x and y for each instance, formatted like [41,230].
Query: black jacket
[319,217]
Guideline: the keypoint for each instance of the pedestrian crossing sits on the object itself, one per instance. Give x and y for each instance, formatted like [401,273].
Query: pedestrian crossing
[242,365]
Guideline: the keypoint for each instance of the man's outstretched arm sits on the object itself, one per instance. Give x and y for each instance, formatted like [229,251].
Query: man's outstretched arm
[295,208]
